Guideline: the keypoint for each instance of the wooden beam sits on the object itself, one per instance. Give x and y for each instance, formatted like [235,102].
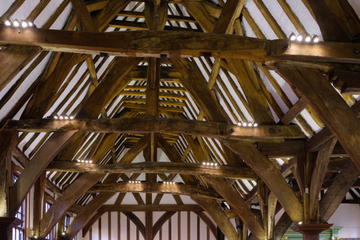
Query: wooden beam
[152,207]
[281,149]
[38,164]
[211,206]
[86,213]
[248,152]
[318,177]
[329,105]
[229,13]
[295,110]
[269,173]
[230,172]
[176,189]
[160,125]
[84,16]
[142,44]
[109,12]
[79,187]
[71,194]
[334,20]
[240,207]
[337,190]
[187,44]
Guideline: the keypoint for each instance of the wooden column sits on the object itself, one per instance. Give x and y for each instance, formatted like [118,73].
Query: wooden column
[39,193]
[6,219]
[311,231]
[219,234]
[6,223]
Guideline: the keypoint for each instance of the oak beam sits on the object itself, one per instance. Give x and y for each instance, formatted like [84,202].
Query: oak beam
[176,189]
[268,172]
[159,125]
[152,207]
[240,207]
[154,167]
[329,105]
[143,44]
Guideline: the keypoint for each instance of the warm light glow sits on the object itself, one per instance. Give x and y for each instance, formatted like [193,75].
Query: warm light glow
[30,24]
[134,182]
[16,23]
[61,117]
[292,37]
[56,117]
[24,24]
[308,39]
[7,23]
[72,117]
[300,223]
[256,125]
[316,39]
[299,38]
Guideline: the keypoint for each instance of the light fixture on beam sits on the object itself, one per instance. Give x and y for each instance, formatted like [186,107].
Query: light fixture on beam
[84,161]
[18,23]
[169,183]
[304,38]
[247,124]
[210,164]
[135,182]
[316,39]
[63,117]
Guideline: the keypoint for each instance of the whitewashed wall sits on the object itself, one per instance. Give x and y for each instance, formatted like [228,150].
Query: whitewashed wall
[347,216]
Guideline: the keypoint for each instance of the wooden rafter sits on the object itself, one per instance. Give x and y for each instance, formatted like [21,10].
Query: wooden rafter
[154,167]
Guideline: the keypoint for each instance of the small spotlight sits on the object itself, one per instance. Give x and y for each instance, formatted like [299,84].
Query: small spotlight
[300,223]
[90,161]
[7,23]
[72,117]
[66,117]
[24,24]
[30,24]
[250,124]
[292,37]
[61,117]
[256,125]
[299,38]
[307,39]
[56,117]
[63,233]
[316,39]
[16,23]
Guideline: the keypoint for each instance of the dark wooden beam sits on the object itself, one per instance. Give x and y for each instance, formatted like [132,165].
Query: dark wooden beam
[142,44]
[7,143]
[176,189]
[160,125]
[337,190]
[156,168]
[154,208]
[330,106]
